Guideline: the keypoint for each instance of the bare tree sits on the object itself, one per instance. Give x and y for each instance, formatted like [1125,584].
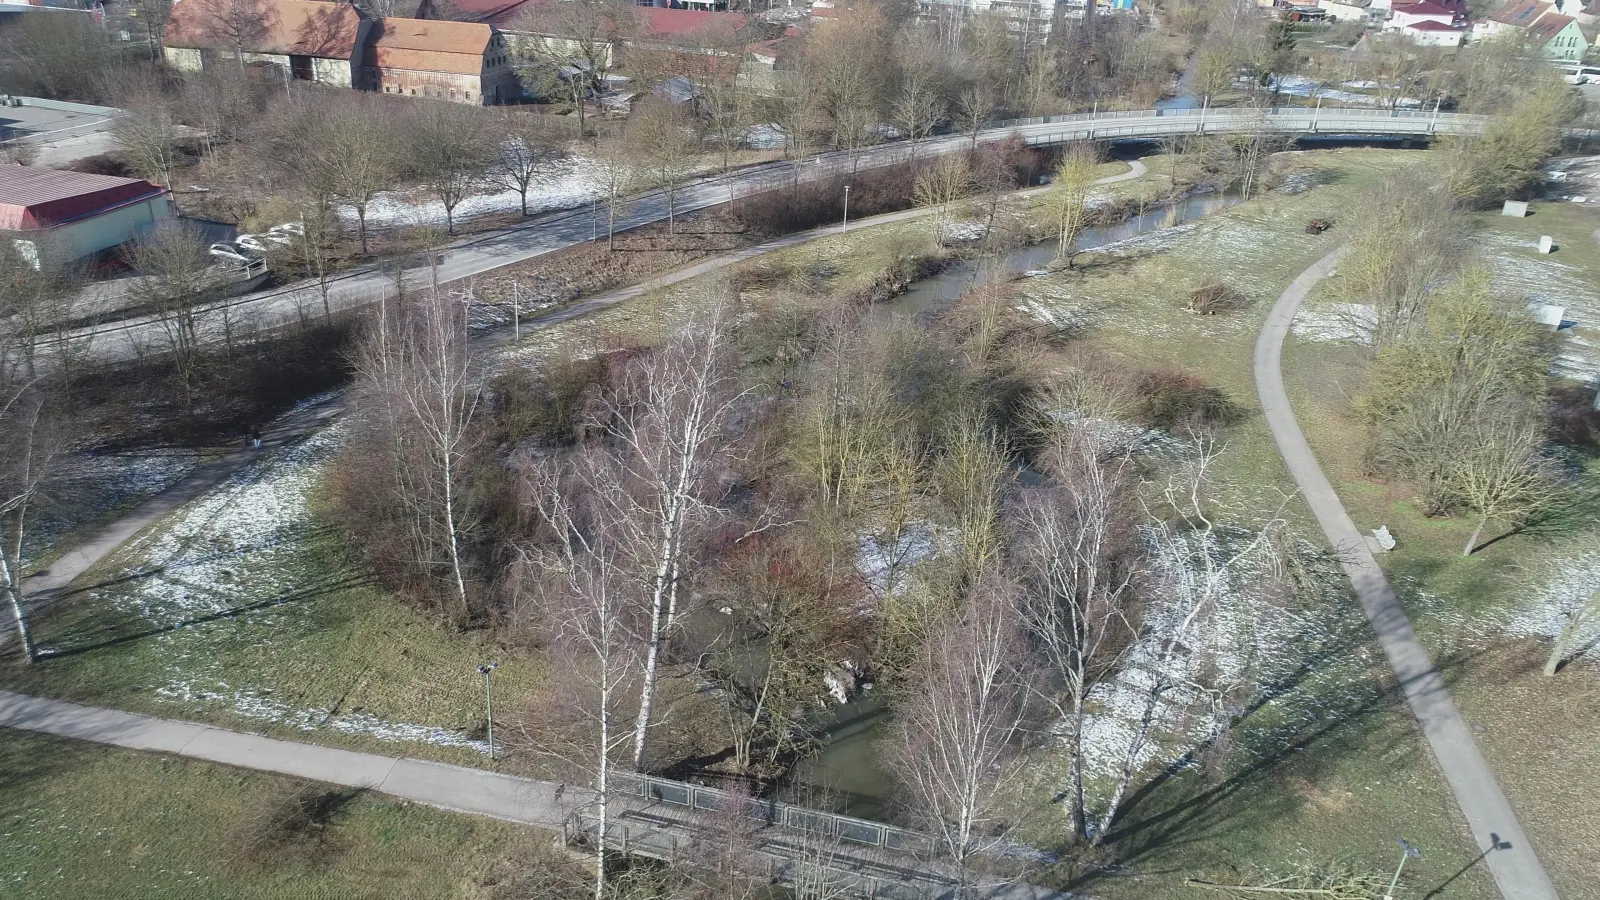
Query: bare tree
[362,153]
[662,138]
[974,108]
[30,446]
[524,147]
[1069,197]
[1407,244]
[1194,563]
[417,392]
[596,622]
[1570,580]
[240,25]
[569,47]
[959,733]
[1502,473]
[940,186]
[64,57]
[38,297]
[452,151]
[180,288]
[669,424]
[148,136]
[918,108]
[1076,566]
[616,175]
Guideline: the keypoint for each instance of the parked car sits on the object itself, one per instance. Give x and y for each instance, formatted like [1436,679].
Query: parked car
[251,242]
[230,252]
[295,228]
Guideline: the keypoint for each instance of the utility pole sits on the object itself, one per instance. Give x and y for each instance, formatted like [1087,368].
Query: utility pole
[487,671]
[516,311]
[846,223]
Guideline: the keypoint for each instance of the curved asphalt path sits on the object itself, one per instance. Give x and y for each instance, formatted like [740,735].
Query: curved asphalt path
[1495,830]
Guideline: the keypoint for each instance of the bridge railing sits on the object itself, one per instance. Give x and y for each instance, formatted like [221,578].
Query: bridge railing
[846,829]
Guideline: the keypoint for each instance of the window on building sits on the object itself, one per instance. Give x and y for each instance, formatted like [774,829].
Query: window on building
[387,88]
[452,93]
[467,94]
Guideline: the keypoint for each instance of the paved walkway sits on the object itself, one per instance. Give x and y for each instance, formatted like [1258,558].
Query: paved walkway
[1512,862]
[435,784]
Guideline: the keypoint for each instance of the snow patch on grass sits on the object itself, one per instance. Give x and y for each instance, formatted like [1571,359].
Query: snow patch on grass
[91,485]
[226,575]
[565,183]
[1342,323]
[253,704]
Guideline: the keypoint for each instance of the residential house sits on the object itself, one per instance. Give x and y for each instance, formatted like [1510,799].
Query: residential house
[314,41]
[1585,11]
[1346,10]
[1402,15]
[78,214]
[1558,37]
[1514,16]
[1428,33]
[467,62]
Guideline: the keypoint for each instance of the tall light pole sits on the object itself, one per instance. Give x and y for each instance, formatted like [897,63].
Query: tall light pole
[1407,852]
[516,311]
[487,671]
[846,223]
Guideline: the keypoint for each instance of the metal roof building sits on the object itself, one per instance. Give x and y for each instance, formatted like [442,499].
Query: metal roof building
[83,214]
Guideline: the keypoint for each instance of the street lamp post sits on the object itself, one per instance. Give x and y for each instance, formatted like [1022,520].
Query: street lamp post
[846,223]
[516,311]
[487,671]
[1406,852]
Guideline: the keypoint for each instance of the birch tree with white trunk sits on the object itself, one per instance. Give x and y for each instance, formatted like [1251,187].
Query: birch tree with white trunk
[1073,554]
[668,426]
[960,728]
[595,626]
[417,383]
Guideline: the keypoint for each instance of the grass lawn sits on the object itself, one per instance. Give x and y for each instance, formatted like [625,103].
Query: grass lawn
[1483,617]
[86,821]
[1333,769]
[241,609]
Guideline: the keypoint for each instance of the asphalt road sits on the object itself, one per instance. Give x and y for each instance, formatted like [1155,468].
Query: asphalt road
[549,233]
[1493,823]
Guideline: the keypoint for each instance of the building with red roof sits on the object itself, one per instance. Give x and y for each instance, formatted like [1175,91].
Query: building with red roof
[315,41]
[79,214]
[467,62]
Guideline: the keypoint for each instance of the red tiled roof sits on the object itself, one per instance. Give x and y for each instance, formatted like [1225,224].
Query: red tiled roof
[1521,14]
[426,45]
[663,22]
[1548,27]
[42,198]
[489,12]
[298,27]
[1422,9]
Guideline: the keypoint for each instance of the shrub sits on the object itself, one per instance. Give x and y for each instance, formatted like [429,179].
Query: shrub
[1215,297]
[1174,400]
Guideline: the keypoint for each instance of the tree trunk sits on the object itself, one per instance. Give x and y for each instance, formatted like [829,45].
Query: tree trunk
[1558,653]
[361,225]
[1472,542]
[12,576]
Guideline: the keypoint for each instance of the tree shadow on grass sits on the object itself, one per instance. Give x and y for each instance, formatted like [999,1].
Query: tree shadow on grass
[328,586]
[1167,813]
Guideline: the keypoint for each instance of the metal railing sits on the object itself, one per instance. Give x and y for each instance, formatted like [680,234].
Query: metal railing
[846,829]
